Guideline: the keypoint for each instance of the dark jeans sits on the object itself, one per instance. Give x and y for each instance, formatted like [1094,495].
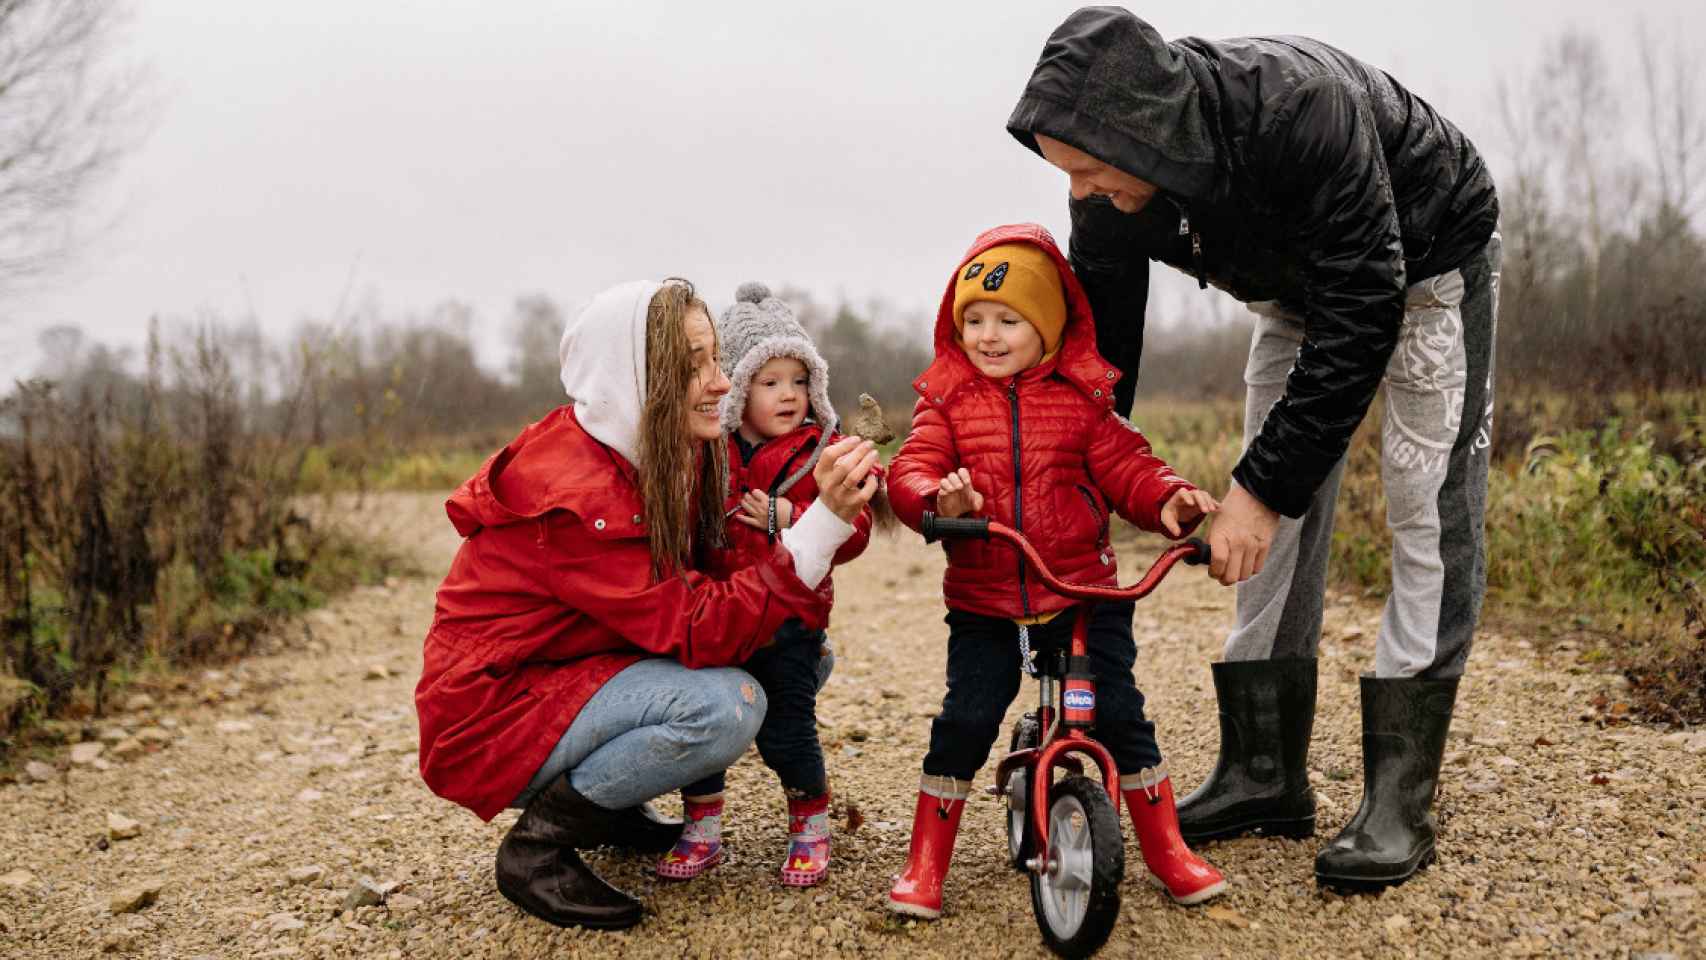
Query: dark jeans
[984,670]
[791,673]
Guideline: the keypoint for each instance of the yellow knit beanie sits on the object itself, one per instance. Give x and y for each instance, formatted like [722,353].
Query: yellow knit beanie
[1021,276]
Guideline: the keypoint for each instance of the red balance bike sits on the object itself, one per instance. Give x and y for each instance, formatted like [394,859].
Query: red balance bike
[1065,833]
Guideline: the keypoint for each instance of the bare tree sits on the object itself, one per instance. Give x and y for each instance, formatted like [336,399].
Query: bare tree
[1676,120]
[1578,111]
[535,330]
[65,119]
[62,351]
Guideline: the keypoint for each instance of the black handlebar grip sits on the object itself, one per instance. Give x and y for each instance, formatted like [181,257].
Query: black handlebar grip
[1202,555]
[937,528]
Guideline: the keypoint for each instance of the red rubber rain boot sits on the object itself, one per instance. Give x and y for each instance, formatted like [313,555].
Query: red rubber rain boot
[917,892]
[1187,878]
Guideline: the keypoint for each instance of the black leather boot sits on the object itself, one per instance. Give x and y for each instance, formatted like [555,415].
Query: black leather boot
[646,830]
[1260,784]
[1404,723]
[539,871]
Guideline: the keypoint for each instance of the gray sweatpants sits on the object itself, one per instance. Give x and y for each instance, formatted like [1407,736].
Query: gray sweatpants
[1435,443]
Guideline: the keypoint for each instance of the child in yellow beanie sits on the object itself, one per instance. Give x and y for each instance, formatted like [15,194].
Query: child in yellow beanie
[1015,422]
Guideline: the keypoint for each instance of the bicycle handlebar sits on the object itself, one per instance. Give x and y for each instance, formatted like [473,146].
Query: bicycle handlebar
[1193,552]
[937,528]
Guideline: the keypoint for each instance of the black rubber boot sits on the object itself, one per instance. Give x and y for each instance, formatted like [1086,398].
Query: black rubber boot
[539,871]
[1404,723]
[1260,784]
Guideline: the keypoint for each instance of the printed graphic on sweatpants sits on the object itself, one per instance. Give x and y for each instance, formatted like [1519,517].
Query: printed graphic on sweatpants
[1426,377]
[1483,442]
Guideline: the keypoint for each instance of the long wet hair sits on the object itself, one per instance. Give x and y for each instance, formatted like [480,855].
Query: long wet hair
[682,479]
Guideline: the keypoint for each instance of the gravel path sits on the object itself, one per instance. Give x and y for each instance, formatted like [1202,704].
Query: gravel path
[267,796]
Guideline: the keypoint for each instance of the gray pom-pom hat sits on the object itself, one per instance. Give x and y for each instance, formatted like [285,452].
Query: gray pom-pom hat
[759,328]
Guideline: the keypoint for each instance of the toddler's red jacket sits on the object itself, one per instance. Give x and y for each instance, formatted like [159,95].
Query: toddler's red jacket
[771,464]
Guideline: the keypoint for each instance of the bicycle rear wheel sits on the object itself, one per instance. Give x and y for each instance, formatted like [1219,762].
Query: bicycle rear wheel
[1027,732]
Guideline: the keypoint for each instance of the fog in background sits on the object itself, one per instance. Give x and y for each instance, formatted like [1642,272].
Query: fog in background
[320,157]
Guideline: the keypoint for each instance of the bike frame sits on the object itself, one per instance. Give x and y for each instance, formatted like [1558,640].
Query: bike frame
[1059,748]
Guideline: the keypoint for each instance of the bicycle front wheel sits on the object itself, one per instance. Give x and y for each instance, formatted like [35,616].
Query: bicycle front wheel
[1076,896]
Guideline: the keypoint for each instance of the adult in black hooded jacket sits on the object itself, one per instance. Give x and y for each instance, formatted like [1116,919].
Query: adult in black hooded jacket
[1360,227]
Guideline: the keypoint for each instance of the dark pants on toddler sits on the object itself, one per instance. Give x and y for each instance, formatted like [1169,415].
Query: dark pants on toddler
[791,671]
[984,670]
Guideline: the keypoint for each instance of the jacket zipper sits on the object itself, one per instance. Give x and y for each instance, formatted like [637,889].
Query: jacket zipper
[1018,493]
[781,475]
[1196,244]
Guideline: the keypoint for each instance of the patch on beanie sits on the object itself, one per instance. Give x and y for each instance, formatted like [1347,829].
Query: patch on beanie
[993,281]
[973,270]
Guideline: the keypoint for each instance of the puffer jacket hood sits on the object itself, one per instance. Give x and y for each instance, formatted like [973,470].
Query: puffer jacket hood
[603,356]
[1107,84]
[1077,360]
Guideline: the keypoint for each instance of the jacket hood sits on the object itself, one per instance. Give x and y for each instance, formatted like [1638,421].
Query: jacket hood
[555,464]
[1107,84]
[603,355]
[1076,360]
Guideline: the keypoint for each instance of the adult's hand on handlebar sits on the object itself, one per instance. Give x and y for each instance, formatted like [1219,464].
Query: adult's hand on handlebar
[1243,531]
[845,476]
[955,495]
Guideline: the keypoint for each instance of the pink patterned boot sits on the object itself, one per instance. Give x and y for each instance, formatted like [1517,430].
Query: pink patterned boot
[807,862]
[701,845]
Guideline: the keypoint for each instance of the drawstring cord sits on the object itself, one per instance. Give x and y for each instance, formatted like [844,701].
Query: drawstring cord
[944,786]
[1152,794]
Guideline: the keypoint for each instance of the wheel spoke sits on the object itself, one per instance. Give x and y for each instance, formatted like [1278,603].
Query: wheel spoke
[1067,883]
[1070,904]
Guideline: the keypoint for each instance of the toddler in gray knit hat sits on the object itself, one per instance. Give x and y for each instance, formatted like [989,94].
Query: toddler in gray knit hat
[777,374]
[779,420]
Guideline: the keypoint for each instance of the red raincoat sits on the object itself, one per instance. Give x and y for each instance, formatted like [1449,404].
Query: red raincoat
[1045,449]
[551,595]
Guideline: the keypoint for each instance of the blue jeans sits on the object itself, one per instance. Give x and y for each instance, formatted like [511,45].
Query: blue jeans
[652,728]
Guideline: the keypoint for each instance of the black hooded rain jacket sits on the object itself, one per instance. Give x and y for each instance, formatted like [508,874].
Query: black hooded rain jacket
[1286,171]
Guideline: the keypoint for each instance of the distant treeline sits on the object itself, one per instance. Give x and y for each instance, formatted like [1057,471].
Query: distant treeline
[1603,291]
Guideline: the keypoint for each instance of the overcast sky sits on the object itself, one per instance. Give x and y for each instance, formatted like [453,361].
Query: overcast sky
[464,149]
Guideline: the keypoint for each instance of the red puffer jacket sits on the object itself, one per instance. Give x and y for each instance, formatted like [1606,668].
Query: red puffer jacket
[551,595]
[1045,449]
[772,463]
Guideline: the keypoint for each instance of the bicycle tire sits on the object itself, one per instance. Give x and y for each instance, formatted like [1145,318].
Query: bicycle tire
[1027,732]
[1095,857]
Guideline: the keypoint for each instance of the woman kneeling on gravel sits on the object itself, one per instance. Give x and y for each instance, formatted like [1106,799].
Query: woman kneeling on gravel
[578,663]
